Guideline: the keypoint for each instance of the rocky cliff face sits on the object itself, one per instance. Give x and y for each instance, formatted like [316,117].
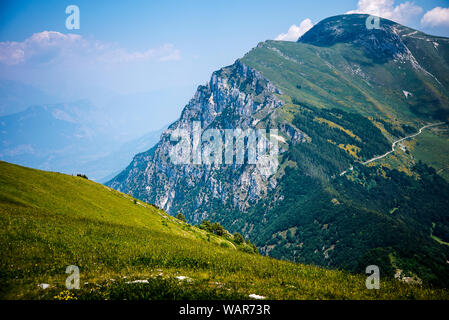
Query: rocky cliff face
[236,97]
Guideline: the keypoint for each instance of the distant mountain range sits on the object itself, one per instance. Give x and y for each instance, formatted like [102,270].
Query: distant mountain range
[340,96]
[16,97]
[68,138]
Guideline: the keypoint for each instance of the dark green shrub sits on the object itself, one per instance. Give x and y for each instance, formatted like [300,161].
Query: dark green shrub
[218,229]
[238,238]
[205,225]
[181,217]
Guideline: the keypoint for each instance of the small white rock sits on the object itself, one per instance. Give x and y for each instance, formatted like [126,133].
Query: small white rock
[407,94]
[256,296]
[138,281]
[43,285]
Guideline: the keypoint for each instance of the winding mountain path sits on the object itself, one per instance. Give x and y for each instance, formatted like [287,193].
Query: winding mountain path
[393,146]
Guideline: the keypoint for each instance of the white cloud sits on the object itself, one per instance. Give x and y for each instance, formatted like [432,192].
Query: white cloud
[294,32]
[402,13]
[42,43]
[166,52]
[50,46]
[437,17]
[174,55]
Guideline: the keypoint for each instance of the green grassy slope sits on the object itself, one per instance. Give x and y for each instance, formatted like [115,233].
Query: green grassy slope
[49,221]
[433,148]
[341,77]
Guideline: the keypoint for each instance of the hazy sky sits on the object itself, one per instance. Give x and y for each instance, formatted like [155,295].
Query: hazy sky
[170,46]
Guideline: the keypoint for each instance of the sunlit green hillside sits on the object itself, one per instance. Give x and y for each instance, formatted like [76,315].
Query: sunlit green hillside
[50,220]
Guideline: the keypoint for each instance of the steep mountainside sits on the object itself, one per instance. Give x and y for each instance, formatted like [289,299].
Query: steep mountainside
[339,97]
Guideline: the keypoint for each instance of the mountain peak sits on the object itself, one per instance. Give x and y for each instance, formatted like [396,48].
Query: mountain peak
[381,41]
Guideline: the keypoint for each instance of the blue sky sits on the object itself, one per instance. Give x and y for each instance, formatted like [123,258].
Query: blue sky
[130,47]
